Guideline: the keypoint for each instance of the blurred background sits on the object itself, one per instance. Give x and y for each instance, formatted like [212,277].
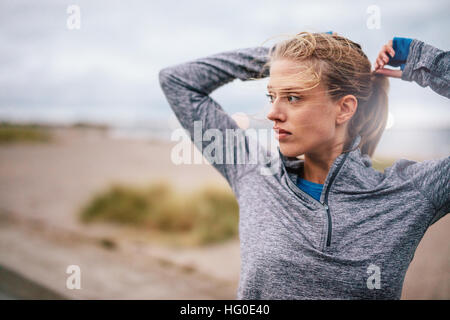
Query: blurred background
[86,177]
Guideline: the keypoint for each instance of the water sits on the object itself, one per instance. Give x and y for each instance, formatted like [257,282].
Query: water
[412,143]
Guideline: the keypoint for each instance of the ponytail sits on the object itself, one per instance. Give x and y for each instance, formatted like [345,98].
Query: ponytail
[370,118]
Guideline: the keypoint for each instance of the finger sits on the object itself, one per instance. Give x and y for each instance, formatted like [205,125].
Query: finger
[388,49]
[375,66]
[390,72]
[391,52]
[384,57]
[391,48]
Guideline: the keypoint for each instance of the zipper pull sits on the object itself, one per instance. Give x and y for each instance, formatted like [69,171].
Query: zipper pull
[325,206]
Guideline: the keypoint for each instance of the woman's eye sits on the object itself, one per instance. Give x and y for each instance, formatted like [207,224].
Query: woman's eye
[289,98]
[295,98]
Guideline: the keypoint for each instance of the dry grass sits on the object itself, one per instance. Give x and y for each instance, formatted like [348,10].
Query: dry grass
[30,133]
[207,215]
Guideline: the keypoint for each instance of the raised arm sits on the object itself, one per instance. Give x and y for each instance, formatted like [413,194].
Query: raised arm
[187,87]
[419,62]
[428,66]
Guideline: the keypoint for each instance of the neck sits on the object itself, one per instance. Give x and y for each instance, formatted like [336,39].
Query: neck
[317,165]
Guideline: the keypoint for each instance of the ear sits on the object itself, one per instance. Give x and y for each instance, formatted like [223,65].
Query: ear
[346,108]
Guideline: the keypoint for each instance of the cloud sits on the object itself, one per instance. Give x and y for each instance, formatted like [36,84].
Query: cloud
[115,57]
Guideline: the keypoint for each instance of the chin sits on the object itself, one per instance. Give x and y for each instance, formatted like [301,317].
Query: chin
[290,152]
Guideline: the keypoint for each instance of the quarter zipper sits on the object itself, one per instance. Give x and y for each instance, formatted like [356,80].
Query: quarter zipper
[325,200]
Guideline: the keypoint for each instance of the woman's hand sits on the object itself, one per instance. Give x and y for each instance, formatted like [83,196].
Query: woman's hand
[383,59]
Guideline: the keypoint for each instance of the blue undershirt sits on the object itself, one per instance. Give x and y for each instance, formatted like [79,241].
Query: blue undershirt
[311,188]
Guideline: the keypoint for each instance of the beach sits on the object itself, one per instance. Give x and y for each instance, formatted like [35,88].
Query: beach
[44,186]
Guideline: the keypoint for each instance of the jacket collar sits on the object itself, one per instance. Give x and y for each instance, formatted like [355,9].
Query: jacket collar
[290,166]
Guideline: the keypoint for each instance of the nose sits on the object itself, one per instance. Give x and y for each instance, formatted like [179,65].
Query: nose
[276,113]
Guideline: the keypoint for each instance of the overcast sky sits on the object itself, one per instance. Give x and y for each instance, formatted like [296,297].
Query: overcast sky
[107,70]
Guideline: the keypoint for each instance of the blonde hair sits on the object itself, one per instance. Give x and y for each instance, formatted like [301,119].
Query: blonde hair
[344,69]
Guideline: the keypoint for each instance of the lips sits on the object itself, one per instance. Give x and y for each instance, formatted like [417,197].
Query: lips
[281,131]
[281,134]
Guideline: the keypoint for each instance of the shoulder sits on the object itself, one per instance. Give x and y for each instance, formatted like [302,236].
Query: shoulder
[408,169]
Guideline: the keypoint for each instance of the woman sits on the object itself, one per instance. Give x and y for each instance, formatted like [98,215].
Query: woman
[328,226]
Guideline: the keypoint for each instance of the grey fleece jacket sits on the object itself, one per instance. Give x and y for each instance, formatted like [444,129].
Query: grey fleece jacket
[359,239]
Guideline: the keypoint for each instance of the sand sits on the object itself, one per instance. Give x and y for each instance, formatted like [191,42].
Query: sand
[42,187]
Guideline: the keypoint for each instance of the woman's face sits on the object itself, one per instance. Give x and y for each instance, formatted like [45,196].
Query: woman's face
[309,116]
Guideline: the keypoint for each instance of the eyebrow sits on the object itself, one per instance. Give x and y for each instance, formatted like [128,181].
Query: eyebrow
[287,89]
[290,90]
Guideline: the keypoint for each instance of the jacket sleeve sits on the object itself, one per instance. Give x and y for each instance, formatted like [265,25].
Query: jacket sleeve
[187,87]
[428,66]
[432,179]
